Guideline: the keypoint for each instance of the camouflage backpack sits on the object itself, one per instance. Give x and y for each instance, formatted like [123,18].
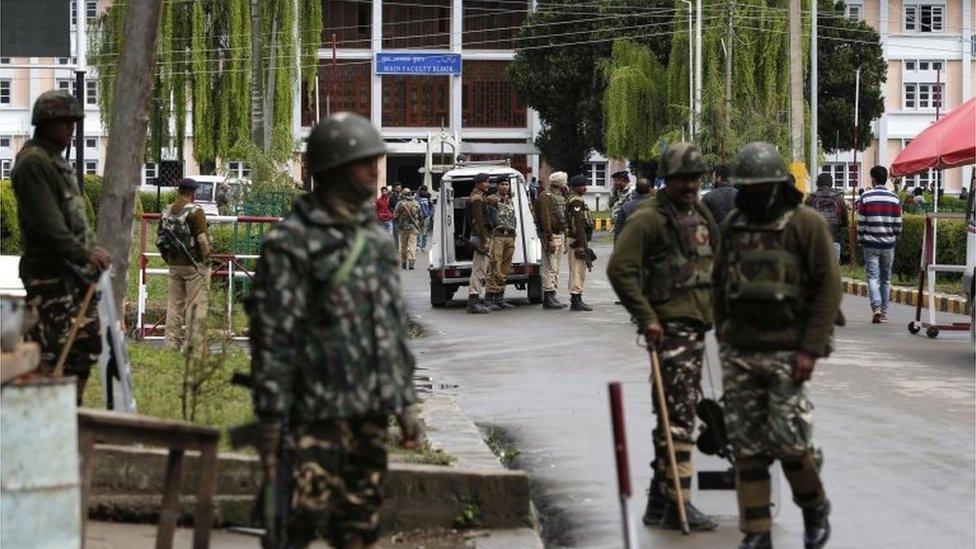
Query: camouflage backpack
[176,224]
[830,207]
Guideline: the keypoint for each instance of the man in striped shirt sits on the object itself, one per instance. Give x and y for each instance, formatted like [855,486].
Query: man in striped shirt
[878,227]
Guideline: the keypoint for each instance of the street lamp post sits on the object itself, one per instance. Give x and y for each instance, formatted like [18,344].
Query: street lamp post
[691,76]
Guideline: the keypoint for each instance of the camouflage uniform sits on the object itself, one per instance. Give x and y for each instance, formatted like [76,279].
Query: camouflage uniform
[330,356]
[407,218]
[481,232]
[552,230]
[777,292]
[502,244]
[619,197]
[661,269]
[56,241]
[579,229]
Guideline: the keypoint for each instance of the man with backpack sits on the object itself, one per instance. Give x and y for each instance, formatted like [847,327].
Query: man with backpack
[426,215]
[830,204]
[184,242]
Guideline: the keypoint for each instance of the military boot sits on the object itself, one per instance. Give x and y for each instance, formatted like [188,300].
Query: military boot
[403,265]
[500,301]
[474,305]
[757,541]
[411,265]
[697,521]
[816,526]
[491,301]
[656,502]
[549,301]
[559,304]
[576,303]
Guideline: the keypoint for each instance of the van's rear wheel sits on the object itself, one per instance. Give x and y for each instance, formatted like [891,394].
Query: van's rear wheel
[535,289]
[439,293]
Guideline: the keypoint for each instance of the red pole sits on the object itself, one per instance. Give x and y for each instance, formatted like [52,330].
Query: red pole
[620,452]
[332,78]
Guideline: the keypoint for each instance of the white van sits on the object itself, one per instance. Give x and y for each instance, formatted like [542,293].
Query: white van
[450,249]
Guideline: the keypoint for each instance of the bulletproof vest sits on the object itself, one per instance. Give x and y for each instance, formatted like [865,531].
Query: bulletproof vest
[409,215]
[70,200]
[558,208]
[178,224]
[762,277]
[686,265]
[505,215]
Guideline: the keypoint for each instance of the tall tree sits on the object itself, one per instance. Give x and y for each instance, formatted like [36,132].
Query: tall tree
[634,104]
[127,137]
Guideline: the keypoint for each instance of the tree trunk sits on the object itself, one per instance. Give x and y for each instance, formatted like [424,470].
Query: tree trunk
[269,93]
[257,75]
[127,136]
[796,81]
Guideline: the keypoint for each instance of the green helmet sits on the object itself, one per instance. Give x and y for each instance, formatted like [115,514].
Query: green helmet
[340,139]
[758,162]
[56,104]
[681,159]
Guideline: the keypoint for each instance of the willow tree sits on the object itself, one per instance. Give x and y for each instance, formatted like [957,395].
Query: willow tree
[204,73]
[634,108]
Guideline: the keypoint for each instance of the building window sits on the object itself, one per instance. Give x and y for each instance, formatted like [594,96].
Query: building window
[238,170]
[5,165]
[91,92]
[91,167]
[416,101]
[598,173]
[839,171]
[489,99]
[74,12]
[853,12]
[5,142]
[416,23]
[349,91]
[493,24]
[923,96]
[4,91]
[349,21]
[91,143]
[924,18]
[149,171]
[4,60]
[65,84]
[91,10]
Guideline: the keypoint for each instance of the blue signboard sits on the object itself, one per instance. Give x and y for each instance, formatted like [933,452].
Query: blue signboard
[418,63]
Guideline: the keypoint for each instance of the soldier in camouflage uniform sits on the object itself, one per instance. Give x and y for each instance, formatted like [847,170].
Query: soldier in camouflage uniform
[552,233]
[330,357]
[406,215]
[60,259]
[502,246]
[620,194]
[480,244]
[661,269]
[579,229]
[777,298]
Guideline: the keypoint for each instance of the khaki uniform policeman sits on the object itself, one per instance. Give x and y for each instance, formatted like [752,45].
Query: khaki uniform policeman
[331,361]
[662,271]
[502,246]
[189,277]
[406,215]
[480,243]
[777,299]
[60,259]
[579,228]
[552,232]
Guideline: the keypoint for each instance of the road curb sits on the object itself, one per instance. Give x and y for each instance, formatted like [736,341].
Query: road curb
[944,303]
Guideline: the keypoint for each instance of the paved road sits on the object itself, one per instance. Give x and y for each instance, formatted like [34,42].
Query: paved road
[895,417]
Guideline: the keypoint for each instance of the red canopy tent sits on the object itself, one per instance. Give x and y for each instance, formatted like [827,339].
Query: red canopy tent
[948,143]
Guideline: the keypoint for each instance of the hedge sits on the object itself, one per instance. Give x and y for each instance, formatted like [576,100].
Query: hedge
[951,242]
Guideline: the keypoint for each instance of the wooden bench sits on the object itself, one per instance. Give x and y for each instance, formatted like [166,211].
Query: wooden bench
[98,426]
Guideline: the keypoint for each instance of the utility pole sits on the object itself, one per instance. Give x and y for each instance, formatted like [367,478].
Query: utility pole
[127,135]
[796,93]
[257,75]
[814,90]
[727,114]
[81,62]
[698,61]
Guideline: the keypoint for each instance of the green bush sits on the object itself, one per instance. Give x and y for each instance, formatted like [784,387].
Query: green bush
[9,228]
[148,200]
[951,242]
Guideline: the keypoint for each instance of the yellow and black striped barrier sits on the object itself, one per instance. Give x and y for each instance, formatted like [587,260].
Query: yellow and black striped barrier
[603,224]
[909,296]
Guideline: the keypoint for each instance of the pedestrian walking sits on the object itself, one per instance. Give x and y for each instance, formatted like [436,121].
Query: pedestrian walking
[383,210]
[777,299]
[184,243]
[502,246]
[642,192]
[829,203]
[552,233]
[661,269]
[331,361]
[60,262]
[579,229]
[480,241]
[721,199]
[426,216]
[407,218]
[878,228]
[534,189]
[394,199]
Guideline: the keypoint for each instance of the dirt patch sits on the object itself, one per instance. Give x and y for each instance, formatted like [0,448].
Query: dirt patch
[433,539]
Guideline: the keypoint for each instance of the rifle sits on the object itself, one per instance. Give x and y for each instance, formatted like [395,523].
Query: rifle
[169,235]
[272,504]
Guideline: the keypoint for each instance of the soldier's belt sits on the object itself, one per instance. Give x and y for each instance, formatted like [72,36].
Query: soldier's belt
[504,232]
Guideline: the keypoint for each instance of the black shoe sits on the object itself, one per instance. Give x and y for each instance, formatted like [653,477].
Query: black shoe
[474,305]
[576,303]
[411,265]
[549,301]
[491,302]
[555,300]
[656,503]
[816,526]
[697,521]
[500,301]
[403,265]
[757,541]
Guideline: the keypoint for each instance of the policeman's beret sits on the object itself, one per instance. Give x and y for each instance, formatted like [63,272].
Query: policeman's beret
[579,181]
[187,183]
